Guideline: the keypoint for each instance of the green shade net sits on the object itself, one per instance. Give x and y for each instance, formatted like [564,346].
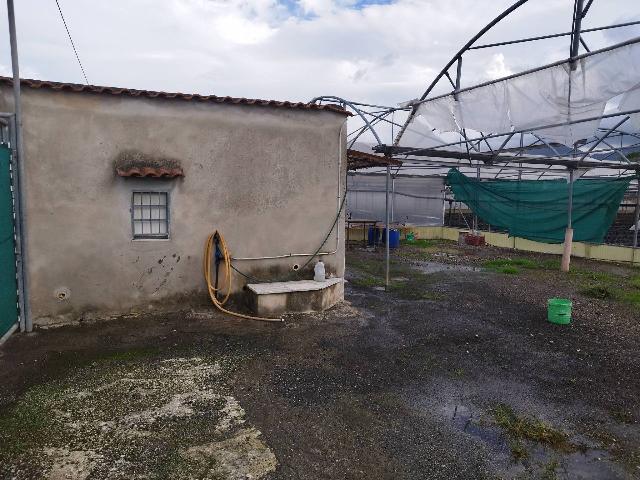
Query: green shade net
[537,209]
[8,295]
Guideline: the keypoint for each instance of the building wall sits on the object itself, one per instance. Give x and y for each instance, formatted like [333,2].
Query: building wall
[267,178]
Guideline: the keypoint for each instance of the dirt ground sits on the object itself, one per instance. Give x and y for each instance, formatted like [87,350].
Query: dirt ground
[452,373]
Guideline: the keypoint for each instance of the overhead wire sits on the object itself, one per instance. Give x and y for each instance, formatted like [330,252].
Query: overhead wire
[73,45]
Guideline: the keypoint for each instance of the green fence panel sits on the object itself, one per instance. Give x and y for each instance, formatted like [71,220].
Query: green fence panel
[8,286]
[537,209]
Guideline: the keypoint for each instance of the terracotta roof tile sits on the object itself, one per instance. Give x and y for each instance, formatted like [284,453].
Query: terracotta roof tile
[357,159]
[75,87]
[155,172]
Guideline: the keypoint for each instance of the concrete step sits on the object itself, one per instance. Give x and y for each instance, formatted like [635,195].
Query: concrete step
[276,298]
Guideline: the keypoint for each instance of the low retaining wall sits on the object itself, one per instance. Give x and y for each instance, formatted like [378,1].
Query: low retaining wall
[608,253]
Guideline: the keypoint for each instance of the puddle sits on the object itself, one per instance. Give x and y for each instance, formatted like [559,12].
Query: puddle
[434,267]
[463,419]
[588,464]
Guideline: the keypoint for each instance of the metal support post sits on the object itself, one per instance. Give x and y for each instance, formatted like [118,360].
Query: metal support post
[637,215]
[386,231]
[475,216]
[25,310]
[568,236]
[393,198]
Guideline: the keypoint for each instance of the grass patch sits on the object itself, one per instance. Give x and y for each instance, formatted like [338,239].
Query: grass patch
[521,428]
[518,450]
[550,264]
[367,282]
[513,266]
[549,470]
[608,286]
[508,270]
[510,262]
[421,243]
[602,292]
[631,297]
[27,423]
[622,416]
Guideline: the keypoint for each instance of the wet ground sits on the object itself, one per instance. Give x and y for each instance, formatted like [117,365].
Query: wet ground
[452,373]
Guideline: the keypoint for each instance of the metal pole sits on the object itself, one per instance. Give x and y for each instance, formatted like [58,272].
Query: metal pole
[475,216]
[386,244]
[637,215]
[20,174]
[577,30]
[568,236]
[393,197]
[570,209]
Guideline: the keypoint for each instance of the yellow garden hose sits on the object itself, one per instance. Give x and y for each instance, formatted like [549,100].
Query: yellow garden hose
[209,250]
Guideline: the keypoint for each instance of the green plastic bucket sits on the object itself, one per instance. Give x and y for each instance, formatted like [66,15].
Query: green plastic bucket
[559,310]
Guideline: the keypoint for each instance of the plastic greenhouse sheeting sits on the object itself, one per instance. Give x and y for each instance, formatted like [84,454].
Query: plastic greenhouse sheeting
[537,209]
[552,95]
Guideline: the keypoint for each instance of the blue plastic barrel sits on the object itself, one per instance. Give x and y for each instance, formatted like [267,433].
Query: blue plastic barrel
[394,237]
[373,236]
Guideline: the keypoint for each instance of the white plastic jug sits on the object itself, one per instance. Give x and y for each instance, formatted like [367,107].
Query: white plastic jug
[318,272]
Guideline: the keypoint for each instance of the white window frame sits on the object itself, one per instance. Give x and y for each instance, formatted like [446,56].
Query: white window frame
[134,221]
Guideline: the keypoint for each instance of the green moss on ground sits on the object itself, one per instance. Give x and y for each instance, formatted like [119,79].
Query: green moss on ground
[421,243]
[414,285]
[608,286]
[520,428]
[513,266]
[119,407]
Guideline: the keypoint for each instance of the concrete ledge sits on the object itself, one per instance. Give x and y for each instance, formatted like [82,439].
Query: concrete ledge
[271,299]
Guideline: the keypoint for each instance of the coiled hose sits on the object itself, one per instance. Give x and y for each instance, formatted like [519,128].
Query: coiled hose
[214,290]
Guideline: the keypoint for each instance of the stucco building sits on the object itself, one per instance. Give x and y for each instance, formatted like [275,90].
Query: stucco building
[123,186]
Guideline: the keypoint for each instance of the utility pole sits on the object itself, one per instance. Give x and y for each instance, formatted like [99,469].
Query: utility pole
[19,175]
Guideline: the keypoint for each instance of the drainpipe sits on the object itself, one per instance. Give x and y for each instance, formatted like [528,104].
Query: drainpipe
[20,196]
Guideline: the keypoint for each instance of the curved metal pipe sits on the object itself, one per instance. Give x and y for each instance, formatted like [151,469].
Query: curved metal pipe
[477,36]
[354,108]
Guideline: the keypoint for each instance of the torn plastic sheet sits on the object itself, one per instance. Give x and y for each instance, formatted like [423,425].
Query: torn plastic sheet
[558,94]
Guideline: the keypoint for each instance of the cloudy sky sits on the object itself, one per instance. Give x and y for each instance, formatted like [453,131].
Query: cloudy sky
[369,50]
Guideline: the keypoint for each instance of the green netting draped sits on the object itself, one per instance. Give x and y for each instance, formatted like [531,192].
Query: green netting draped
[537,209]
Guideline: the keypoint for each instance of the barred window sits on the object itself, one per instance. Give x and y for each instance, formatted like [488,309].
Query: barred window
[150,215]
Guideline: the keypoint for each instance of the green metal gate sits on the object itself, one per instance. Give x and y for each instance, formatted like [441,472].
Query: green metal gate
[8,285]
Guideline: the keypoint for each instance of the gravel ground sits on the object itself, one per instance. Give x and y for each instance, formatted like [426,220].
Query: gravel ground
[405,384]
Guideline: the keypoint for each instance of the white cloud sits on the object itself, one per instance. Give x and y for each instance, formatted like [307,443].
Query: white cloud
[497,67]
[293,49]
[240,30]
